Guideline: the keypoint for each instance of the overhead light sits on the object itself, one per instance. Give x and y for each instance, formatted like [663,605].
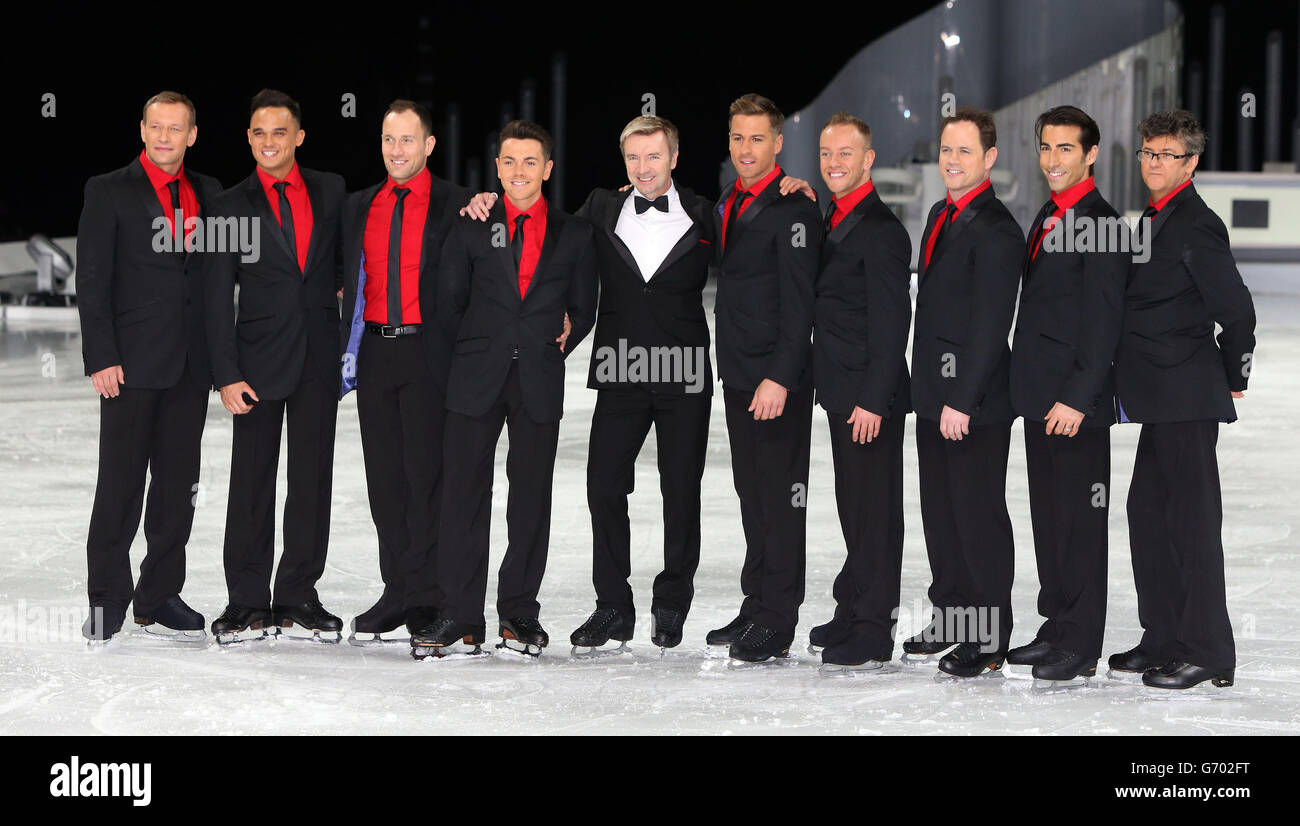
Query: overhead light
[907,113]
[949,40]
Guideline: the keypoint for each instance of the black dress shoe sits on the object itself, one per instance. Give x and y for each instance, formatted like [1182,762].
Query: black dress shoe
[1179,674]
[828,633]
[603,625]
[311,616]
[173,620]
[104,621]
[968,660]
[524,635]
[1032,654]
[854,653]
[384,616]
[758,643]
[1060,665]
[929,641]
[727,634]
[1135,661]
[666,627]
[238,618]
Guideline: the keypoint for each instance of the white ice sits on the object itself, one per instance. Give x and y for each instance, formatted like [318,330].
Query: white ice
[51,683]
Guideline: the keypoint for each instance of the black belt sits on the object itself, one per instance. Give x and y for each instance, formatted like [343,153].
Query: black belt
[390,331]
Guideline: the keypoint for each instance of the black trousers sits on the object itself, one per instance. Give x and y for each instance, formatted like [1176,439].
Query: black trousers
[401,411]
[249,553]
[1069,491]
[869,497]
[769,466]
[968,530]
[469,450]
[158,431]
[619,426]
[1175,525]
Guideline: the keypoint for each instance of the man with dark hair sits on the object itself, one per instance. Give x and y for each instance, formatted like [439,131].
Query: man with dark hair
[276,369]
[967,274]
[395,358]
[1071,305]
[768,262]
[1170,376]
[140,298]
[863,309]
[505,290]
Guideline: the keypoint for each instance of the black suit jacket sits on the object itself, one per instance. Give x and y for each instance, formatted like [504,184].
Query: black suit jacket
[288,319]
[445,201]
[863,312]
[139,308]
[667,310]
[1067,329]
[1168,368]
[965,301]
[765,290]
[484,318]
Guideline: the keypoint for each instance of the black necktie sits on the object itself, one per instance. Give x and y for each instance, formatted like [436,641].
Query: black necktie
[178,222]
[395,258]
[642,204]
[945,218]
[517,243]
[734,216]
[828,222]
[286,221]
[1043,215]
[1150,212]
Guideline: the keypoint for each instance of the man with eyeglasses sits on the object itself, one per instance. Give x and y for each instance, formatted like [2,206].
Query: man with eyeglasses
[1172,378]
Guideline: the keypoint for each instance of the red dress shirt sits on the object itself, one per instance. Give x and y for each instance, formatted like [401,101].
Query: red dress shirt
[1159,205]
[159,179]
[754,192]
[415,208]
[845,205]
[299,203]
[1063,200]
[961,204]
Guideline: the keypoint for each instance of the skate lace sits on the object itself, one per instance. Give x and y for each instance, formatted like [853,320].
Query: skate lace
[756,635]
[600,618]
[1172,666]
[966,652]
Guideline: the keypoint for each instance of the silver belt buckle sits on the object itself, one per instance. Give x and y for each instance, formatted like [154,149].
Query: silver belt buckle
[388,331]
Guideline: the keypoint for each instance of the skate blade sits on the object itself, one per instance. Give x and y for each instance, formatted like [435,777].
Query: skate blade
[448,653]
[367,640]
[1062,686]
[299,634]
[99,646]
[519,649]
[587,652]
[717,652]
[1128,677]
[868,667]
[992,672]
[159,633]
[779,659]
[917,660]
[247,635]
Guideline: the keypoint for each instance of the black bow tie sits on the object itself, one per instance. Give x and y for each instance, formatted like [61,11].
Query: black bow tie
[643,204]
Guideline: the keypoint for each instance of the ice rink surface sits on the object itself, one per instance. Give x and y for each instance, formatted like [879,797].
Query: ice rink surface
[50,683]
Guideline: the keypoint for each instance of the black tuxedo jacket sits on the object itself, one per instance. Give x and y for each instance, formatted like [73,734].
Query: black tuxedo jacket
[965,301]
[139,308]
[1067,329]
[667,310]
[1168,368]
[863,313]
[288,322]
[445,201]
[764,306]
[485,320]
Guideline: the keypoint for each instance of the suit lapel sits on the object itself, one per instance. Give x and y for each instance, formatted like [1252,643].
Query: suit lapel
[1162,217]
[921,267]
[507,258]
[317,208]
[854,217]
[554,227]
[611,227]
[262,209]
[690,205]
[437,203]
[960,223]
[1042,216]
[145,192]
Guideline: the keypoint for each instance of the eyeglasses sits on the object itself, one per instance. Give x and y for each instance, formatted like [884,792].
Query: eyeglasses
[1165,157]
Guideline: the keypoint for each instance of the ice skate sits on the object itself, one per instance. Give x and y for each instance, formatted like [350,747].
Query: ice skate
[828,633]
[969,660]
[666,628]
[718,641]
[439,638]
[926,648]
[311,617]
[103,622]
[1178,674]
[173,621]
[849,656]
[758,644]
[1032,654]
[238,624]
[381,624]
[604,634]
[523,635]
[1129,666]
[1062,670]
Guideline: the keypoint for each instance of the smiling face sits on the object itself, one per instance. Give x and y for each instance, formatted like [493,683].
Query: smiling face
[845,158]
[166,132]
[405,147]
[649,163]
[754,147]
[1061,157]
[963,164]
[1163,177]
[274,136]
[521,168]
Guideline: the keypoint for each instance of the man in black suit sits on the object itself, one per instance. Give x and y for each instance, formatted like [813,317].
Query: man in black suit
[862,313]
[770,244]
[278,361]
[1170,376]
[397,360]
[140,298]
[506,287]
[1071,305]
[968,272]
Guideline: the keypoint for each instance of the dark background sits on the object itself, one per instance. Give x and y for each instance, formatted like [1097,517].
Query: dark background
[103,64]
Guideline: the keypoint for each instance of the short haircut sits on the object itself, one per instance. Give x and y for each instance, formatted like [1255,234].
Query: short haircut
[526,130]
[648,125]
[274,98]
[421,112]
[843,118]
[1179,124]
[169,97]
[1089,132]
[983,120]
[753,104]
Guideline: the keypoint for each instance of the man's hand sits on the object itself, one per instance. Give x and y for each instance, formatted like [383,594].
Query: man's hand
[953,424]
[232,396]
[564,337]
[479,206]
[789,185]
[1063,420]
[1239,394]
[866,425]
[106,381]
[769,401]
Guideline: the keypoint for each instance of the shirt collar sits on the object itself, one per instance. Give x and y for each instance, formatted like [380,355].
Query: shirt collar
[757,188]
[536,211]
[157,177]
[1070,196]
[845,205]
[269,181]
[419,185]
[674,200]
[964,201]
[1159,205]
